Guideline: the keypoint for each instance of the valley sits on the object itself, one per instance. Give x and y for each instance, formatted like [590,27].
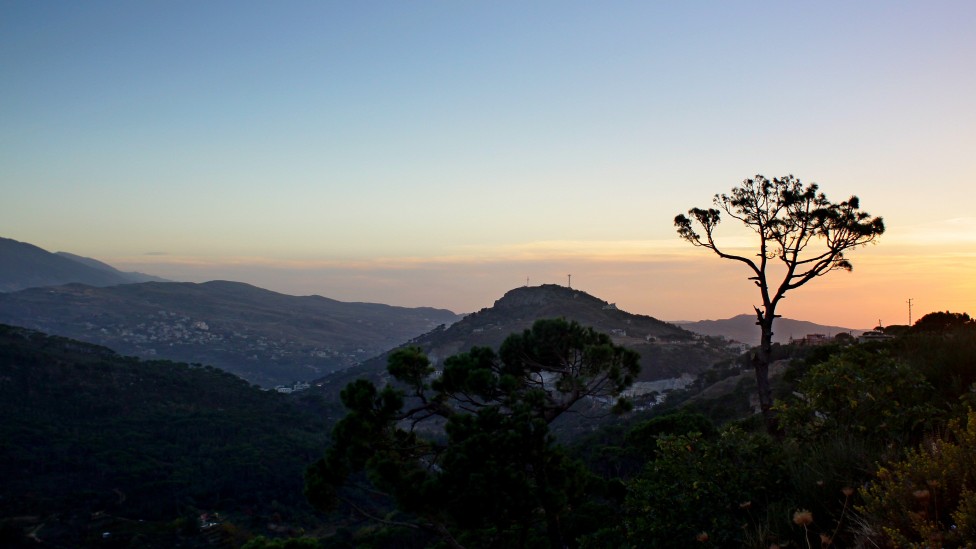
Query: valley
[262,336]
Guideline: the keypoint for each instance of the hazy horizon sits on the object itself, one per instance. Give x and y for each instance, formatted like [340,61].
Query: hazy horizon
[307,281]
[440,154]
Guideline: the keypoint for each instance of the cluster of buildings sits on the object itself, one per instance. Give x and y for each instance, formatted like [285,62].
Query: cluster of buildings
[298,386]
[811,340]
[166,329]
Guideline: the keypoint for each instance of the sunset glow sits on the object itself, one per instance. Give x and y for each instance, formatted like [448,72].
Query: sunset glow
[440,154]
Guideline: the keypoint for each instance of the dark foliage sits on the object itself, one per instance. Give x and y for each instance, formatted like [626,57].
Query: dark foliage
[494,476]
[85,430]
[943,322]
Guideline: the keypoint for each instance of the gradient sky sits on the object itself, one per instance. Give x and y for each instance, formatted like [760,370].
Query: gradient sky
[441,153]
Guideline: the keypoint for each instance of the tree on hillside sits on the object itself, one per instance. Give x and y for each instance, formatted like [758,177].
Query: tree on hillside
[467,456]
[799,230]
[942,322]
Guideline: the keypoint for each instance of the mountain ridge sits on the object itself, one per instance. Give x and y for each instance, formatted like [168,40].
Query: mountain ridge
[263,336]
[743,328]
[24,265]
[131,276]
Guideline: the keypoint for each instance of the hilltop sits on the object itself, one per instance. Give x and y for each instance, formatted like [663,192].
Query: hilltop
[667,351]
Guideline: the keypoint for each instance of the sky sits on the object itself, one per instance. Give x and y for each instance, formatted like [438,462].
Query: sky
[441,153]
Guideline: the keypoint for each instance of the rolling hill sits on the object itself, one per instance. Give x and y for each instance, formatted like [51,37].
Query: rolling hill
[265,337]
[667,351]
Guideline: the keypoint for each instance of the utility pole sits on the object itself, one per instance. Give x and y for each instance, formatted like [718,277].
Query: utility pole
[909,311]
[569,282]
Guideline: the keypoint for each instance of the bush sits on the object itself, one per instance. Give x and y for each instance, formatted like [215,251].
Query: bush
[861,391]
[930,496]
[699,490]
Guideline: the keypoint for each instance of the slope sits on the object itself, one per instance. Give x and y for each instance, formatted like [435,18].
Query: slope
[24,265]
[130,276]
[667,351]
[265,337]
[85,430]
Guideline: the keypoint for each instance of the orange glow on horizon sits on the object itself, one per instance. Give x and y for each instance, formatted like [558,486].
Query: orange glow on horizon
[670,280]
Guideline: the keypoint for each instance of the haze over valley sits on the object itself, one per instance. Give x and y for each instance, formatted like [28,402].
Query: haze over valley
[272,339]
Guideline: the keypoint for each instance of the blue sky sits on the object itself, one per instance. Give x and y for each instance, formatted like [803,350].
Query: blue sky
[440,153]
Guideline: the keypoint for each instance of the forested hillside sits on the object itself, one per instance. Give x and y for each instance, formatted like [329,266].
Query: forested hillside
[666,351]
[875,447]
[86,431]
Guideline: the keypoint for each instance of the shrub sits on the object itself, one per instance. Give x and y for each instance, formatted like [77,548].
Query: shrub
[930,496]
[703,491]
[860,391]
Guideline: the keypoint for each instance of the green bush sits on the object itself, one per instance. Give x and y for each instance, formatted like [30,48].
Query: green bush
[928,498]
[860,391]
[704,491]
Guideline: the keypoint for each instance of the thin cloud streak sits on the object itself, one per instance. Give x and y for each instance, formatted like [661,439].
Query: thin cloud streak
[626,251]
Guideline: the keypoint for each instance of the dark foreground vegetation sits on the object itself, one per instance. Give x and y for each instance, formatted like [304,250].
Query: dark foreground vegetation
[876,447]
[102,450]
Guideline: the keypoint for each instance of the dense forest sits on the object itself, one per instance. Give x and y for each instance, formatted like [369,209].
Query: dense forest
[92,442]
[875,447]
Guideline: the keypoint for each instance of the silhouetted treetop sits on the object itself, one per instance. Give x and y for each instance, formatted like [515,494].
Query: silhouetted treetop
[798,229]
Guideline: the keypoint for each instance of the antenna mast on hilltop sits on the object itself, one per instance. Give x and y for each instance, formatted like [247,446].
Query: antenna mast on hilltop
[569,281]
[909,311]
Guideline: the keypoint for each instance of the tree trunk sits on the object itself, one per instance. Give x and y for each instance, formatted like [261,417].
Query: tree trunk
[554,531]
[760,363]
[551,510]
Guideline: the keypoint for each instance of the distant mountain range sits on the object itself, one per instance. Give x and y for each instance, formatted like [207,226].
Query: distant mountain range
[743,328]
[270,338]
[24,265]
[265,337]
